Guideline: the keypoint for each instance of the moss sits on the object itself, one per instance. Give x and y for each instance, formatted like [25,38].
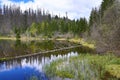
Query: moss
[113,70]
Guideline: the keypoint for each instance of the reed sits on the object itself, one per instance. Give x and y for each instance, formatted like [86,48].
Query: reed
[85,67]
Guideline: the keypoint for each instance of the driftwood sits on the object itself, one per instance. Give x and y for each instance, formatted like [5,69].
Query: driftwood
[65,48]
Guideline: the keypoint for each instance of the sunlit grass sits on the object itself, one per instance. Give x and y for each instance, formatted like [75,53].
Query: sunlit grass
[114,70]
[81,41]
[85,67]
[78,41]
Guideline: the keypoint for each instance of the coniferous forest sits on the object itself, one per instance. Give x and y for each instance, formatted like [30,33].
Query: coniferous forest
[37,22]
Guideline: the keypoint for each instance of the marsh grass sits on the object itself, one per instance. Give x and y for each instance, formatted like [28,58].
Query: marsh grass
[83,42]
[85,67]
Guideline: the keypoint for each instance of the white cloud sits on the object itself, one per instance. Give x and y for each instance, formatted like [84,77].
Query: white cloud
[75,8]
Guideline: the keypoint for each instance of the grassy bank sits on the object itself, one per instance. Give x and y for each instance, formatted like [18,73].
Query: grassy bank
[86,67]
[83,42]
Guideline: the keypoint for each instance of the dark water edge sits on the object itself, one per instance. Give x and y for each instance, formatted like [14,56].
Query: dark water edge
[16,48]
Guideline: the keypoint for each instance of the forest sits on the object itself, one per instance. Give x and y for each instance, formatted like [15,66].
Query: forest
[38,22]
[105,25]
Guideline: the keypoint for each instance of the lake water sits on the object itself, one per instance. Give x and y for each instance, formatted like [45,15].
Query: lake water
[31,68]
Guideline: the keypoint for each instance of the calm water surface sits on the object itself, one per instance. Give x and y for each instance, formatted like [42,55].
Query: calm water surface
[31,68]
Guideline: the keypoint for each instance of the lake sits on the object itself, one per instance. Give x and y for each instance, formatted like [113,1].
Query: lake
[31,67]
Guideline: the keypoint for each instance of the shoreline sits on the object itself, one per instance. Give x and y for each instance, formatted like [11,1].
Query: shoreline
[25,39]
[75,40]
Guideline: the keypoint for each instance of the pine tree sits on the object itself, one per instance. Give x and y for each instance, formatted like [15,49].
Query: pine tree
[106,4]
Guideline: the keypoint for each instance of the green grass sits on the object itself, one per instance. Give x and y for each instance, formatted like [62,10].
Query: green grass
[83,42]
[114,70]
[85,67]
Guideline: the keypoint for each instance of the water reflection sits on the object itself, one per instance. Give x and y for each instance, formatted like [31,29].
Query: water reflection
[17,43]
[17,48]
[29,68]
[25,73]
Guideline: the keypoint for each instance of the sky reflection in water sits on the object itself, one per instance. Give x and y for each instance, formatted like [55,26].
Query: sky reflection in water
[28,68]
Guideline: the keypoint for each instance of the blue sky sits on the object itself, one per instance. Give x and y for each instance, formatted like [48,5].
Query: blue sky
[25,1]
[74,8]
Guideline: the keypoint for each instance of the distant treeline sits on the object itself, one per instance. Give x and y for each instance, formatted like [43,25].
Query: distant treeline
[37,22]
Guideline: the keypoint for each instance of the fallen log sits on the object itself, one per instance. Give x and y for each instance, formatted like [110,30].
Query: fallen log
[38,53]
